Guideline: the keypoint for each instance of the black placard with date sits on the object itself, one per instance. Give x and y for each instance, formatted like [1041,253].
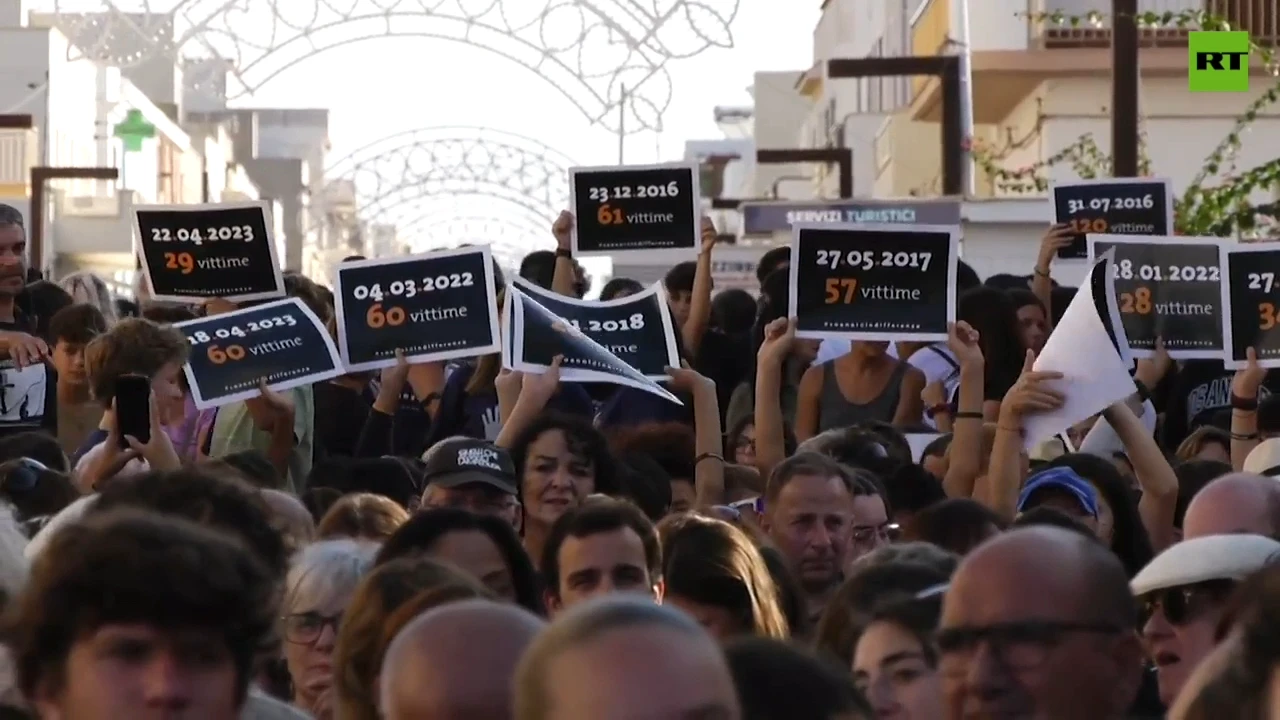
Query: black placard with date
[190,253]
[873,282]
[1129,206]
[282,341]
[1167,288]
[635,208]
[637,329]
[1251,303]
[430,307]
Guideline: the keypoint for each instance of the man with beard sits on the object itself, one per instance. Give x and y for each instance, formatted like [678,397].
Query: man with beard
[27,383]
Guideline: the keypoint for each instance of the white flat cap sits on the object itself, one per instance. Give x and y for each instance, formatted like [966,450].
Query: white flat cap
[1212,557]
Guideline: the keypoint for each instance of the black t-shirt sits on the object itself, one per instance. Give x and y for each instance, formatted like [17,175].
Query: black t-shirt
[725,359]
[1200,394]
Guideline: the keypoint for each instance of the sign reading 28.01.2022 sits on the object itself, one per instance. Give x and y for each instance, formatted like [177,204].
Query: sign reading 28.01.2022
[282,342]
[190,253]
[873,282]
[620,210]
[430,307]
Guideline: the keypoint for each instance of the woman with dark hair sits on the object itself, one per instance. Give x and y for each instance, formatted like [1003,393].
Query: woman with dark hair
[560,461]
[740,441]
[1033,320]
[991,314]
[895,663]
[733,311]
[483,546]
[771,305]
[712,571]
[673,446]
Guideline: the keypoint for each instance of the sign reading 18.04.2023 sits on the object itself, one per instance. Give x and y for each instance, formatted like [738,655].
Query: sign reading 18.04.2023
[873,282]
[190,253]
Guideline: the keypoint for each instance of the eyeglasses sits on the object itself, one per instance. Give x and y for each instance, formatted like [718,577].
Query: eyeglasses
[887,532]
[306,628]
[1018,645]
[1182,605]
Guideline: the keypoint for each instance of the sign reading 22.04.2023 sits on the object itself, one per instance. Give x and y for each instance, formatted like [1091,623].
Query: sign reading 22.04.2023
[873,282]
[431,307]
[193,252]
[282,342]
[621,210]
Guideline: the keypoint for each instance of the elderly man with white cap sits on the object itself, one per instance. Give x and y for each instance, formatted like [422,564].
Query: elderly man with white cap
[1184,591]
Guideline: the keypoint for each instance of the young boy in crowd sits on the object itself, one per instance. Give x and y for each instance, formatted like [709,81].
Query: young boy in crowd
[133,346]
[70,330]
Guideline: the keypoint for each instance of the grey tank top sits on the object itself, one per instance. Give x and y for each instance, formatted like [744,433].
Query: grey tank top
[837,412]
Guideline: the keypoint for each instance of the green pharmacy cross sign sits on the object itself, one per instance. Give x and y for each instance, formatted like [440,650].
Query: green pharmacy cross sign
[134,130]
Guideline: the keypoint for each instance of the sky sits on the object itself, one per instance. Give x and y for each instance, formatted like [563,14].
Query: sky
[381,86]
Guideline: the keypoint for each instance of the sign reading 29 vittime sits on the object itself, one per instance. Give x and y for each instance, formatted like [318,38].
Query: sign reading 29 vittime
[873,282]
[635,208]
[193,252]
[1119,206]
[430,307]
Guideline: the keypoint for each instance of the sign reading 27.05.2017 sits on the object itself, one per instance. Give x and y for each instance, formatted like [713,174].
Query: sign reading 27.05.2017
[620,210]
[873,282]
[431,307]
[190,253]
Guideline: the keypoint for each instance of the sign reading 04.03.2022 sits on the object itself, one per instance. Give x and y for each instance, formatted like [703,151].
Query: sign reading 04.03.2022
[190,253]
[430,307]
[873,282]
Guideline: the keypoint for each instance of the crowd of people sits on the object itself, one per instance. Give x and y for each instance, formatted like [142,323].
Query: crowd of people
[461,541]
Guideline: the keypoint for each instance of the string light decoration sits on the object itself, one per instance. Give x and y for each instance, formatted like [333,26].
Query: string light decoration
[603,55]
[423,180]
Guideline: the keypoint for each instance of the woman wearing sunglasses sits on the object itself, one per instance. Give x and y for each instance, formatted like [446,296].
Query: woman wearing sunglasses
[1184,592]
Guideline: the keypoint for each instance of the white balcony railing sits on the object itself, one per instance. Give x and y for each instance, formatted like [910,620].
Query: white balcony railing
[19,152]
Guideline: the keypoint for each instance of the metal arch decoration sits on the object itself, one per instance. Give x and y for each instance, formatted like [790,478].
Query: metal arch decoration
[418,168]
[601,54]
[512,236]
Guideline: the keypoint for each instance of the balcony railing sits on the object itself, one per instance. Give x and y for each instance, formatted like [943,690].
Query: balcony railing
[19,152]
[1261,18]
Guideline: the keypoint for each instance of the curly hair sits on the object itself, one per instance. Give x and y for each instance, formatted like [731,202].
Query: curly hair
[133,346]
[583,440]
[130,567]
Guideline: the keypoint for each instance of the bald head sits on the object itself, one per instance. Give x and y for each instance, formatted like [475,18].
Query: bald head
[620,657]
[1047,556]
[1233,504]
[1047,577]
[457,660]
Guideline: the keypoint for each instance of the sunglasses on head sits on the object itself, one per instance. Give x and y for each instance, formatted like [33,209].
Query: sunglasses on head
[1182,605]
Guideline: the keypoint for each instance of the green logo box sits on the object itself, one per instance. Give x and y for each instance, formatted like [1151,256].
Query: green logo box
[1218,61]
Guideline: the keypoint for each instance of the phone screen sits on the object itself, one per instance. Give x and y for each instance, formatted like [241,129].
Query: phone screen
[133,408]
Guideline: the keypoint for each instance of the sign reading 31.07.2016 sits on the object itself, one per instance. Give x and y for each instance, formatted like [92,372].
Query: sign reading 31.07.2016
[1112,206]
[619,210]
[430,307]
[190,253]
[873,282]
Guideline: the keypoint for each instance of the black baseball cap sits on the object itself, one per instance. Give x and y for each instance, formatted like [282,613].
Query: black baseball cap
[458,461]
